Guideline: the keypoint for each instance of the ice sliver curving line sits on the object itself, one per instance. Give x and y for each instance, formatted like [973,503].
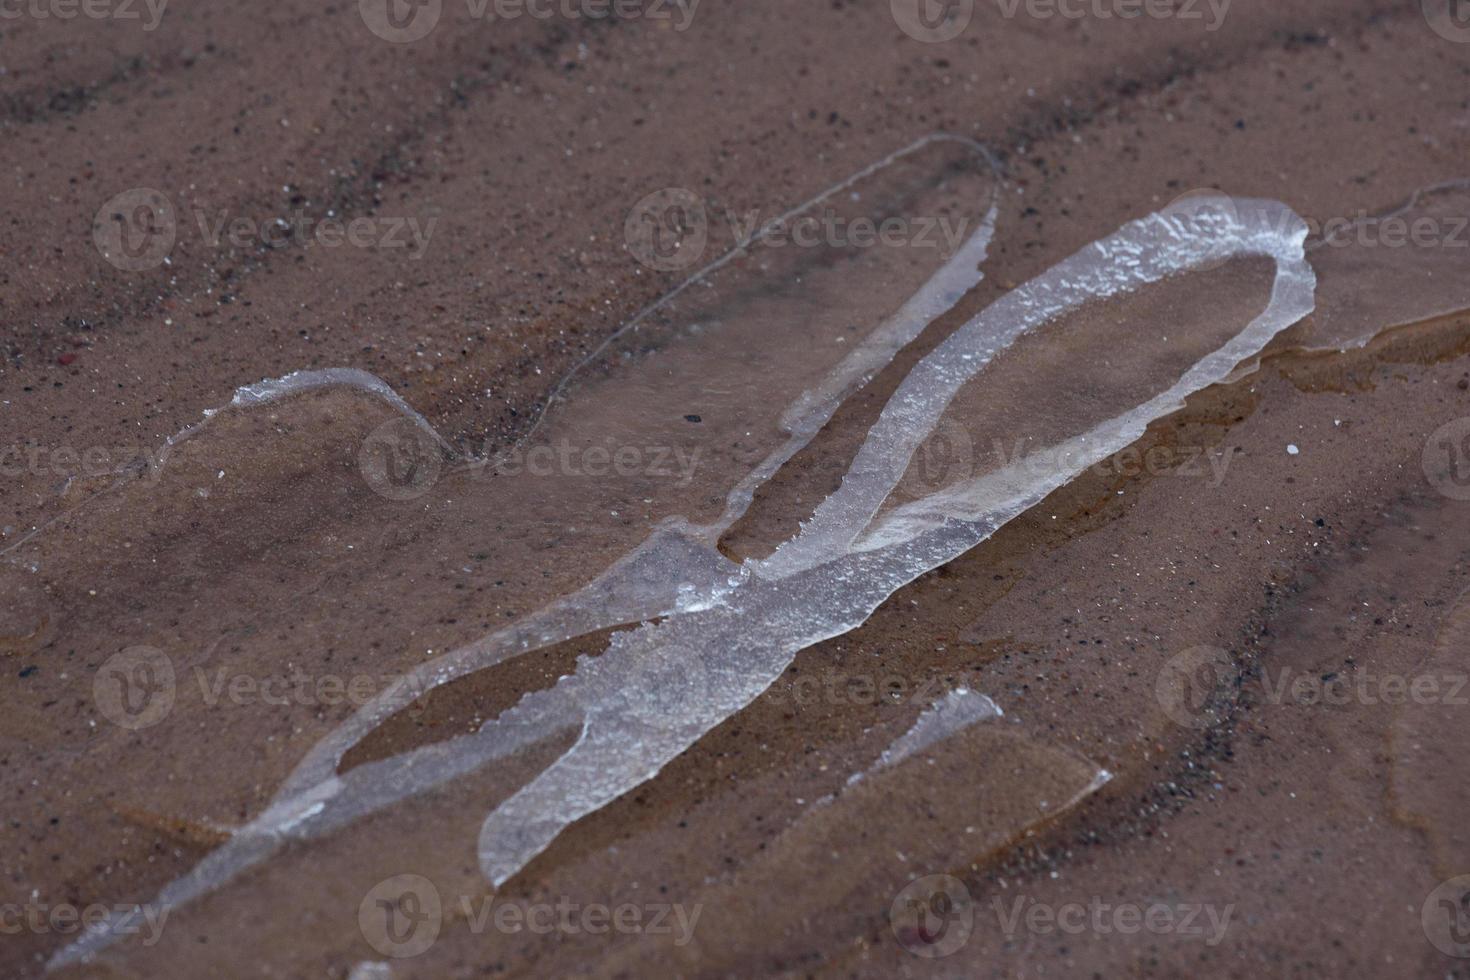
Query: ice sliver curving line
[249,396]
[1143,252]
[659,688]
[298,382]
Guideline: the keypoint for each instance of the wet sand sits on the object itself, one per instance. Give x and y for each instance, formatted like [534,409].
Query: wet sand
[259,551]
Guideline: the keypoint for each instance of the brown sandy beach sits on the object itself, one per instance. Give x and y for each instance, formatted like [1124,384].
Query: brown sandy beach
[1254,620]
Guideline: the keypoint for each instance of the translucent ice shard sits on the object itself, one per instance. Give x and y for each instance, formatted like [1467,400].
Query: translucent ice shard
[956,711]
[660,687]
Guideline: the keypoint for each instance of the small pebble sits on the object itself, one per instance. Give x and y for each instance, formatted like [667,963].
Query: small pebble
[1291,450]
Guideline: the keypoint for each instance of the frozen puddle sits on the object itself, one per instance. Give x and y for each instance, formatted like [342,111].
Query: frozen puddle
[762,350]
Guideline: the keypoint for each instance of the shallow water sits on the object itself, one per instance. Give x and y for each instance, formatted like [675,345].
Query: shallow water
[660,687]
[338,469]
